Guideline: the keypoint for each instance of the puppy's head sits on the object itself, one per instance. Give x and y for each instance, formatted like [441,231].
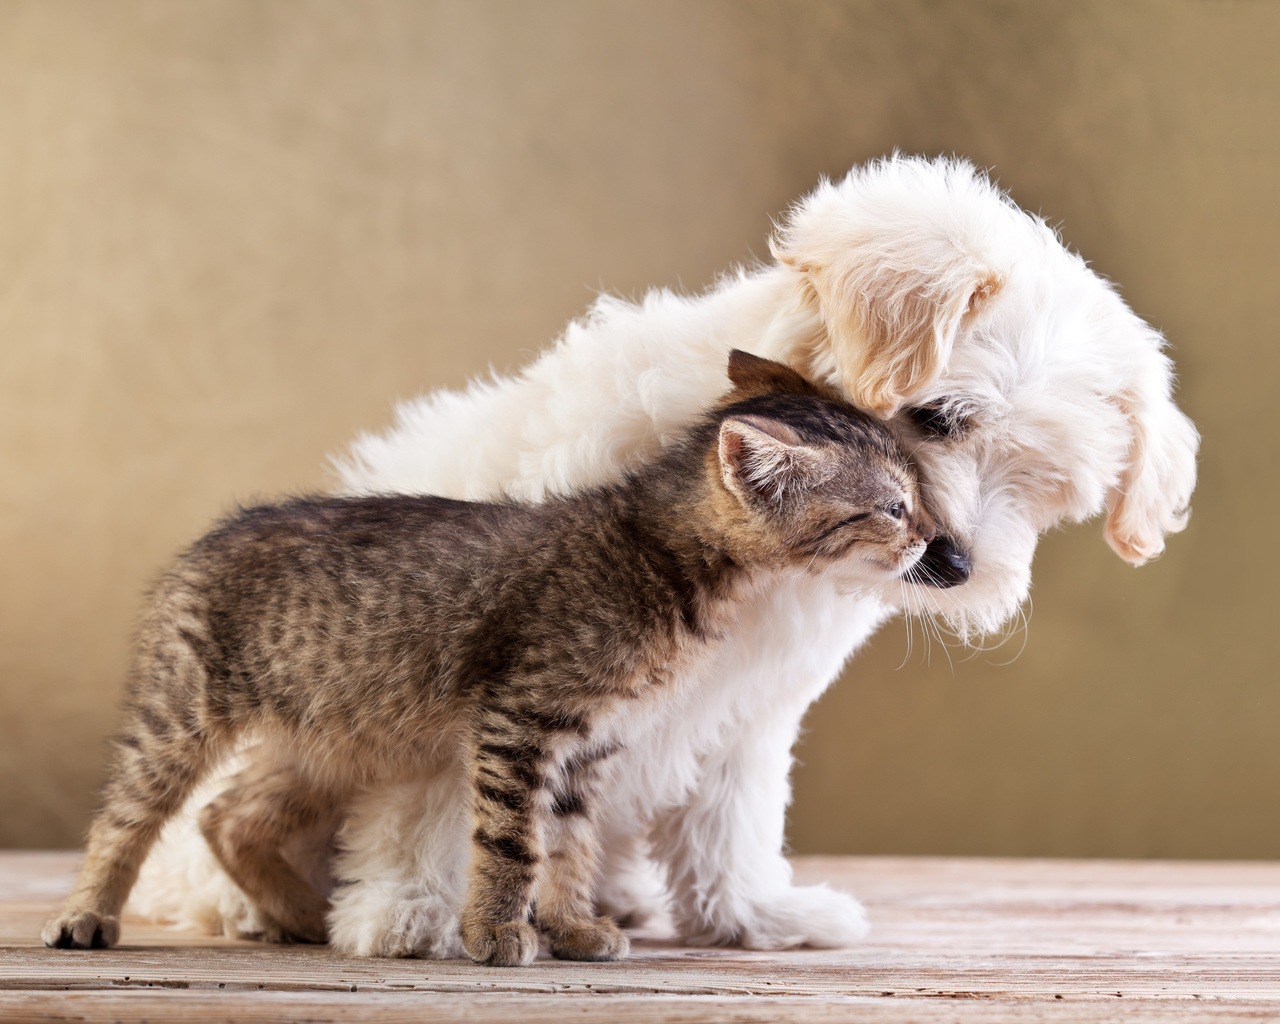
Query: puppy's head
[1025,388]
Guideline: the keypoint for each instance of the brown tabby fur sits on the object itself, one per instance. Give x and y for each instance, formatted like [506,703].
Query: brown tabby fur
[361,636]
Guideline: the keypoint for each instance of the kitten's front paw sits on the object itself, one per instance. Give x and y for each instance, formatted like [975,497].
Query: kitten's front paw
[810,915]
[600,939]
[511,944]
[80,929]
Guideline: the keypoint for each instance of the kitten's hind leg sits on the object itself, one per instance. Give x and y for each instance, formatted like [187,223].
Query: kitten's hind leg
[564,898]
[248,826]
[158,762]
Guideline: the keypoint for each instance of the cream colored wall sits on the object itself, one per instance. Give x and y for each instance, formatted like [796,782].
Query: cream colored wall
[232,232]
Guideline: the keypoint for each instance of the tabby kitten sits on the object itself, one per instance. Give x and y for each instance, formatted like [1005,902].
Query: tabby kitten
[362,637]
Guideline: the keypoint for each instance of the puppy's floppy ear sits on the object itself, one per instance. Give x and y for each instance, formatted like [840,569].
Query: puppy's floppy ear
[895,271]
[763,459]
[1150,499]
[755,375]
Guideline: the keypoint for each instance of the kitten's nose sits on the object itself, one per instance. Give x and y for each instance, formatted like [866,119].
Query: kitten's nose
[942,565]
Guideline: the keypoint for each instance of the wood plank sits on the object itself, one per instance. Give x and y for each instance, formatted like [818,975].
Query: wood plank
[953,939]
[270,1007]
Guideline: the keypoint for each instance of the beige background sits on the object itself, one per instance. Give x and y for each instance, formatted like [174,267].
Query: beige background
[232,232]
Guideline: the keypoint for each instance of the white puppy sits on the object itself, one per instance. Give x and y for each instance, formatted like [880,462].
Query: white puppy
[1026,388]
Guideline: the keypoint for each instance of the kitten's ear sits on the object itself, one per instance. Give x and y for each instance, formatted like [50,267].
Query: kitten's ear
[764,459]
[754,375]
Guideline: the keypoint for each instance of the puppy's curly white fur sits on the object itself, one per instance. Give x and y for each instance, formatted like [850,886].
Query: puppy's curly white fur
[1029,393]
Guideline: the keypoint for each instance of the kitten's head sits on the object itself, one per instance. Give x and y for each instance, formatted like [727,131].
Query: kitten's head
[811,481]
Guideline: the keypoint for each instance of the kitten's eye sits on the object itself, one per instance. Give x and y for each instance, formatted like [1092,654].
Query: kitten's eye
[857,517]
[896,510]
[934,419]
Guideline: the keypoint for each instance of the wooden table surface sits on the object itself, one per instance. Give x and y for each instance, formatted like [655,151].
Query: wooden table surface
[953,940]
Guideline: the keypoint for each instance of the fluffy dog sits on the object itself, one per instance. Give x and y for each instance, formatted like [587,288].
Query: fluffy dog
[1029,393]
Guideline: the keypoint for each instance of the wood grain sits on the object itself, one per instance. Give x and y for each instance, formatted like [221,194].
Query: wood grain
[952,940]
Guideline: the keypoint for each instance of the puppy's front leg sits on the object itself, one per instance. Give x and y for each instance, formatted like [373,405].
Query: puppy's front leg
[730,882]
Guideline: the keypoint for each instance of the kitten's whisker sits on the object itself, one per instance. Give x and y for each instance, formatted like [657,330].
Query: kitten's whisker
[906,610]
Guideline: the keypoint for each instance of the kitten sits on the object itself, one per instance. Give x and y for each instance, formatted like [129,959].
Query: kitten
[363,637]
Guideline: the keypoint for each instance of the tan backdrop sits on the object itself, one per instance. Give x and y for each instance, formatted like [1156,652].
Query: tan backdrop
[232,232]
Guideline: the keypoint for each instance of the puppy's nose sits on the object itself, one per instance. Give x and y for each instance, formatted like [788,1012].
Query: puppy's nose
[942,565]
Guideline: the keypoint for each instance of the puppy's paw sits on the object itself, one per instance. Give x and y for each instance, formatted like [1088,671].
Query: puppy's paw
[81,929]
[811,915]
[633,894]
[510,944]
[366,920]
[424,927]
[600,939]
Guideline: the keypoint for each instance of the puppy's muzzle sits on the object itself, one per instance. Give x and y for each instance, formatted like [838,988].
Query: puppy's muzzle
[942,565]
